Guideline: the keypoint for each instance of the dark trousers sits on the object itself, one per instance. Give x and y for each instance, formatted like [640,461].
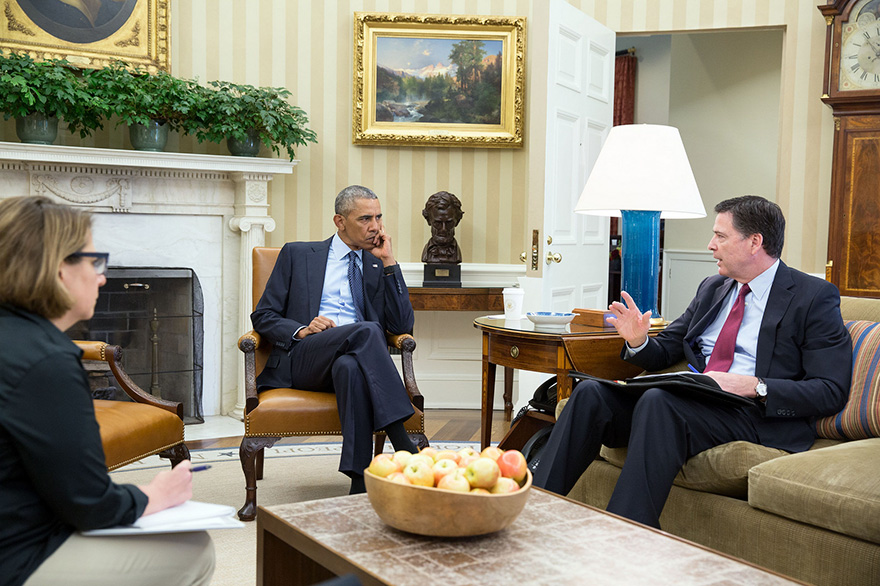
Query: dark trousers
[353,361]
[661,430]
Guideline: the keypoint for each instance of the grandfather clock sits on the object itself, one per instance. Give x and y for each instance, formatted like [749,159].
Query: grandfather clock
[852,89]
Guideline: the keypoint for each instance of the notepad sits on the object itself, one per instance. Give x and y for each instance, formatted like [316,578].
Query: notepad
[190,516]
[696,385]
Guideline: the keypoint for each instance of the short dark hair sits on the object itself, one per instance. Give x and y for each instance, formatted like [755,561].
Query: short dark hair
[345,199]
[753,214]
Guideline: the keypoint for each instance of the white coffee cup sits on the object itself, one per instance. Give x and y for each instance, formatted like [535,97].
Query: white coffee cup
[513,302]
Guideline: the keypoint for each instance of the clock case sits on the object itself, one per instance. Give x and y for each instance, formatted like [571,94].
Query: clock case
[853,250]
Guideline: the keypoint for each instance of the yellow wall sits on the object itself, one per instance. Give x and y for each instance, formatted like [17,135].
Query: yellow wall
[305,45]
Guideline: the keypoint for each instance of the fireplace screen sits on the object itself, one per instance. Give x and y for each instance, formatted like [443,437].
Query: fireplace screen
[156,316]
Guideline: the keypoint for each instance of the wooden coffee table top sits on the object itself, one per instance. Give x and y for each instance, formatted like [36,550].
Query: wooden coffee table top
[553,541]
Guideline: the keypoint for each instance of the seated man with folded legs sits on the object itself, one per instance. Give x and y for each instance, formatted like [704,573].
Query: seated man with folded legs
[326,307]
[760,329]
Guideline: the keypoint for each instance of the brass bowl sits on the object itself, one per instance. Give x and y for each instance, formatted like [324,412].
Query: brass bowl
[444,513]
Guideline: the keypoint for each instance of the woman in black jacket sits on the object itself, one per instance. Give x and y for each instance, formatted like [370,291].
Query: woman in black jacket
[53,480]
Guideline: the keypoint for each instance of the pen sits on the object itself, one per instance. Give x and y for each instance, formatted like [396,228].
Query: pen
[691,366]
[200,468]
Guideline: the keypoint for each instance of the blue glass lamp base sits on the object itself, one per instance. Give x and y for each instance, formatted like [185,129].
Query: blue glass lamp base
[641,257]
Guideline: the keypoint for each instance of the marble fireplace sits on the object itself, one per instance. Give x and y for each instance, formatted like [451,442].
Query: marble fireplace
[202,212]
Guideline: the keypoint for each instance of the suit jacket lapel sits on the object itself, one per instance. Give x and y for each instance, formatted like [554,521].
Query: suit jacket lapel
[316,268]
[777,304]
[699,325]
[372,274]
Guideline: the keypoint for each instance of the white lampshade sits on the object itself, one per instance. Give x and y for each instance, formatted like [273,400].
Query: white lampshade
[642,167]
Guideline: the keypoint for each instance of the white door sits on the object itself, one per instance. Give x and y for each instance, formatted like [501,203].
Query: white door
[580,107]
[579,115]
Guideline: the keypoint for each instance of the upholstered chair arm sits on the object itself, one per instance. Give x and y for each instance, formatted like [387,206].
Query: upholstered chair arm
[406,344]
[112,355]
[248,344]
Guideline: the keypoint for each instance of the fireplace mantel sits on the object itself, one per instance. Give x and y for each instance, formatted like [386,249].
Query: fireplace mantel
[157,208]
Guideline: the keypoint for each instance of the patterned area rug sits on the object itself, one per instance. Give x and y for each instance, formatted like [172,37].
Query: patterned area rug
[291,473]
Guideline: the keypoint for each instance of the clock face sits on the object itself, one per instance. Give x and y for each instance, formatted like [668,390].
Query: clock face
[860,48]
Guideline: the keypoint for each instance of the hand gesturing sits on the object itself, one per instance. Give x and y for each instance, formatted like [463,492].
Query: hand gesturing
[629,321]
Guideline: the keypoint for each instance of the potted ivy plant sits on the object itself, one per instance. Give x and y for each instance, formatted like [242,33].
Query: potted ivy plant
[38,93]
[248,116]
[150,104]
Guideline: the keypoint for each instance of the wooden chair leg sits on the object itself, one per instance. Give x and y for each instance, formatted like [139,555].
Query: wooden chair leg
[247,453]
[176,454]
[259,463]
[380,444]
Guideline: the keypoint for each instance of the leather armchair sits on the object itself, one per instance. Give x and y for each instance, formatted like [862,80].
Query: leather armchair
[277,413]
[134,430]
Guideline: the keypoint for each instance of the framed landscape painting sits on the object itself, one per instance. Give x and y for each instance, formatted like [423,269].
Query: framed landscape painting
[89,33]
[435,80]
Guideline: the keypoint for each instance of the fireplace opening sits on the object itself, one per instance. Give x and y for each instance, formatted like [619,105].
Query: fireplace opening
[156,315]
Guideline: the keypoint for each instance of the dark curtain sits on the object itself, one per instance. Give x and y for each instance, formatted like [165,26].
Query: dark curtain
[624,89]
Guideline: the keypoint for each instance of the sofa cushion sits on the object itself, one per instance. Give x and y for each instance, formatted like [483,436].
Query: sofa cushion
[860,417]
[836,488]
[723,469]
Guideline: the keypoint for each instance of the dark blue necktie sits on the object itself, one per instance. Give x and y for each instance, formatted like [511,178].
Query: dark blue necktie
[356,282]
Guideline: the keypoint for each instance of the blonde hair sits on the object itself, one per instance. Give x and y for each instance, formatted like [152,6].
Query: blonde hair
[36,236]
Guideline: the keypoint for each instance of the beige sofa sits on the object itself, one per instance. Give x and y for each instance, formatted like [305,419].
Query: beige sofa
[814,516]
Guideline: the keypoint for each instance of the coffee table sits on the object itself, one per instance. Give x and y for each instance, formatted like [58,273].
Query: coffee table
[554,541]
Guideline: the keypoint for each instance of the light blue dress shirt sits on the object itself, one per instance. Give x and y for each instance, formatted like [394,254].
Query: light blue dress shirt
[336,301]
[746,351]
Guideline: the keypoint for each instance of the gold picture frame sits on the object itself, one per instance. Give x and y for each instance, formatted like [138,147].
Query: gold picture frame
[89,33]
[417,58]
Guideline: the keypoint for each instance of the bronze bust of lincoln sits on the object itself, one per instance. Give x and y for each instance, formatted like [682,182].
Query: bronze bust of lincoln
[443,213]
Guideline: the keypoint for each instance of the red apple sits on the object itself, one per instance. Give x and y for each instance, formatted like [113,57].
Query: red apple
[468,451]
[513,465]
[402,458]
[504,486]
[441,468]
[419,473]
[430,452]
[428,460]
[492,452]
[455,481]
[398,477]
[447,455]
[482,473]
[382,465]
[480,491]
[465,460]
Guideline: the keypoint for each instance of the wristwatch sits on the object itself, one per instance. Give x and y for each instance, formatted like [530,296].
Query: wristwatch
[761,390]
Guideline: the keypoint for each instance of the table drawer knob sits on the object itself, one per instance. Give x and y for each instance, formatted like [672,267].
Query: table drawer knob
[514,351]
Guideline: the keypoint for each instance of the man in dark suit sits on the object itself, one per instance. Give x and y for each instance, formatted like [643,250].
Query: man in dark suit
[326,308]
[760,329]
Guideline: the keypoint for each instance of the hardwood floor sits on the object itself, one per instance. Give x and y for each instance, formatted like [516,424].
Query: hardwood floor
[440,425]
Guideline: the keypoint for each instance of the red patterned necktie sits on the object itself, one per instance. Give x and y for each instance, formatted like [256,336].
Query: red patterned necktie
[722,354]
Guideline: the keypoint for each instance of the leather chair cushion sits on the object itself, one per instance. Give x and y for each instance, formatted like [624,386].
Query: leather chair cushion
[308,412]
[131,431]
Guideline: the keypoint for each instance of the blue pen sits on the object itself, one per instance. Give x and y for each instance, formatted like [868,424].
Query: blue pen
[691,366]
[200,468]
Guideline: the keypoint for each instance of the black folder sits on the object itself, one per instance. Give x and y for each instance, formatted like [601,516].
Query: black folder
[694,384]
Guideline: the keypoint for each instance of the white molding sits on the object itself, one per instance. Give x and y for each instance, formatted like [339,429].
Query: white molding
[120,158]
[472,274]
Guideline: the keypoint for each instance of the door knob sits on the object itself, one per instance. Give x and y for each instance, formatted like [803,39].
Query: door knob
[551,257]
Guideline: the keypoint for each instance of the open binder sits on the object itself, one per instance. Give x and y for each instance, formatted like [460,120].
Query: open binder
[190,516]
[695,384]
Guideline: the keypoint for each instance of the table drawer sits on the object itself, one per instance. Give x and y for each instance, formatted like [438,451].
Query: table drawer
[537,355]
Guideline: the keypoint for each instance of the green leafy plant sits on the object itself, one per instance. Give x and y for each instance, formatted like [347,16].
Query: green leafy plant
[226,109]
[53,88]
[136,96]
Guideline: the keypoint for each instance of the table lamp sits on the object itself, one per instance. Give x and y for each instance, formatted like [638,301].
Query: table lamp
[642,174]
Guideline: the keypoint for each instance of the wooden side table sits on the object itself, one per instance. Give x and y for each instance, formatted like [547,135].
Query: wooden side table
[517,344]
[456,299]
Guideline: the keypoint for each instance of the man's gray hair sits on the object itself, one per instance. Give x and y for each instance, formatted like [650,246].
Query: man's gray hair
[345,200]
